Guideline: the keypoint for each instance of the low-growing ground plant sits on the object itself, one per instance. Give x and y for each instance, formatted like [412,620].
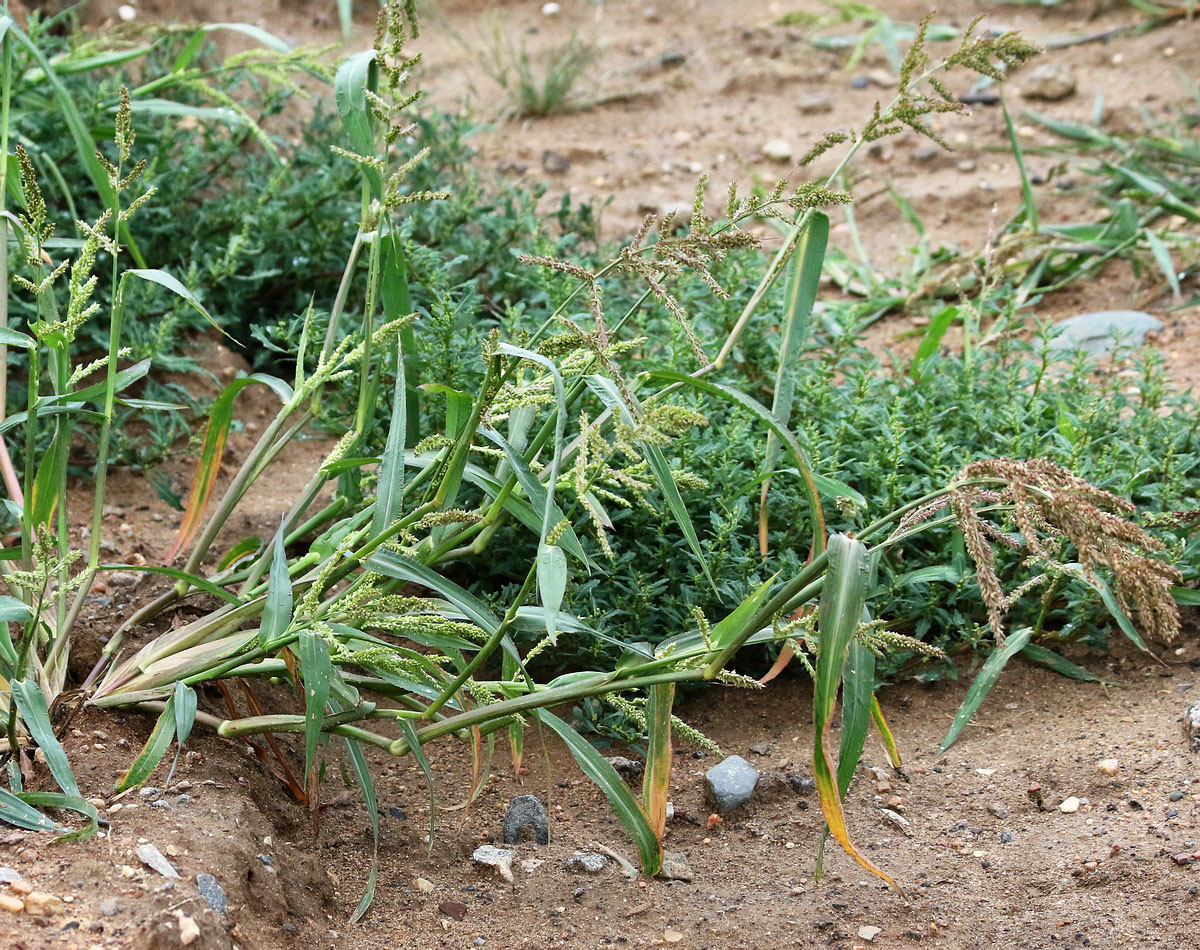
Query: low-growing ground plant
[358,600]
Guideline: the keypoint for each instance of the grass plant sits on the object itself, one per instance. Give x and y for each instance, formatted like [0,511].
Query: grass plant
[356,600]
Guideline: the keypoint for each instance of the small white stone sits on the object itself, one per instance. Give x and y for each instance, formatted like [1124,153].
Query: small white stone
[1069,805]
[777,150]
[1108,766]
[551,9]
[126,12]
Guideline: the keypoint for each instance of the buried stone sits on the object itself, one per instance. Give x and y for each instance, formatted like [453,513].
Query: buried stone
[1101,332]
[212,892]
[731,783]
[526,815]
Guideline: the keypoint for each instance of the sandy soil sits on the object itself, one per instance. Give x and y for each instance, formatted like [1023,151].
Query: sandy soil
[981,863]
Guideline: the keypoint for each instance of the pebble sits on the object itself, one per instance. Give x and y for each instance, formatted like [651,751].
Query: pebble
[777,150]
[1176,796]
[555,163]
[14,905]
[869,933]
[149,791]
[189,930]
[860,82]
[551,9]
[926,153]
[966,165]
[998,810]
[1191,725]
[1049,83]
[424,886]
[761,748]
[108,907]
[1108,766]
[154,859]
[8,875]
[455,910]
[1093,332]
[1069,805]
[731,783]
[126,12]
[41,904]
[672,58]
[1007,837]
[498,858]
[675,867]
[526,814]
[815,103]
[587,862]
[881,78]
[213,893]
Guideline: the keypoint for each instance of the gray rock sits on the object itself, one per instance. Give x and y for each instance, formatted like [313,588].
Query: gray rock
[587,862]
[554,163]
[675,867]
[266,860]
[731,783]
[212,892]
[525,812]
[815,103]
[761,748]
[1191,725]
[154,859]
[108,907]
[161,803]
[149,791]
[8,875]
[1007,837]
[997,810]
[672,58]
[628,769]
[1049,83]
[1094,332]
[498,858]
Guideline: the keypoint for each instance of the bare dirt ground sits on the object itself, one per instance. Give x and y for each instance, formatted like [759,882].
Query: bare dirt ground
[982,864]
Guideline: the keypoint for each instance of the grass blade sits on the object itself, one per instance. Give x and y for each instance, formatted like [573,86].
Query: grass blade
[220,418]
[318,671]
[932,339]
[1036,653]
[277,615]
[625,807]
[552,585]
[984,681]
[362,773]
[21,814]
[409,732]
[390,494]
[32,706]
[152,752]
[885,733]
[656,784]
[842,603]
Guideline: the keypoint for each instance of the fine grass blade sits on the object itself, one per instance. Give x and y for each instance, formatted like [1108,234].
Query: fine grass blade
[552,585]
[625,807]
[32,706]
[1029,209]
[409,732]
[984,681]
[843,600]
[656,784]
[362,774]
[858,684]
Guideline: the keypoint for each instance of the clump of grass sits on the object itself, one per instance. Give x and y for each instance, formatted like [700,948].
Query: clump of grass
[541,88]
